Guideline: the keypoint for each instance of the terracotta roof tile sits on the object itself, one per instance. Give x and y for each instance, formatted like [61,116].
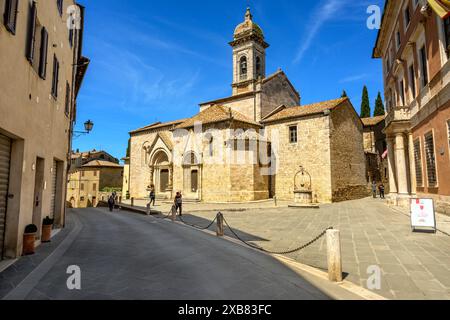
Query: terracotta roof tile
[306,110]
[101,163]
[158,125]
[368,122]
[216,114]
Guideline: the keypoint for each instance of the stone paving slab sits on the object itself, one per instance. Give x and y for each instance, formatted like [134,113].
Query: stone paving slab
[413,265]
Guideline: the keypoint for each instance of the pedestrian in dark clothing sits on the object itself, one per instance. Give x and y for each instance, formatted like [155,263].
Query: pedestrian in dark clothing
[381,189]
[179,203]
[111,203]
[152,195]
[374,189]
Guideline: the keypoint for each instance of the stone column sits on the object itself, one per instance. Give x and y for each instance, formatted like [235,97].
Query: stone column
[152,172]
[400,157]
[170,186]
[412,164]
[391,166]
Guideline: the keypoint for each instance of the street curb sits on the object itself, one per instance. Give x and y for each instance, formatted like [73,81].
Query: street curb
[23,289]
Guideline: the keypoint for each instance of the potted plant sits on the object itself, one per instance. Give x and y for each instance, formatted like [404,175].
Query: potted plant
[29,237]
[47,227]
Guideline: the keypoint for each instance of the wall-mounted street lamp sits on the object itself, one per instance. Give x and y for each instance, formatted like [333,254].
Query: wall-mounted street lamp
[88,126]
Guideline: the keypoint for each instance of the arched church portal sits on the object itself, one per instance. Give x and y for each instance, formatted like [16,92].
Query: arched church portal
[161,173]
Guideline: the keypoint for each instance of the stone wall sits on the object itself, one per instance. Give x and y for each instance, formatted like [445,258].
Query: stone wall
[312,151]
[111,178]
[277,92]
[348,162]
[139,169]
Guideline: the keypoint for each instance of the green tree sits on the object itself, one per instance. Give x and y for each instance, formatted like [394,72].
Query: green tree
[128,148]
[379,106]
[365,104]
[344,94]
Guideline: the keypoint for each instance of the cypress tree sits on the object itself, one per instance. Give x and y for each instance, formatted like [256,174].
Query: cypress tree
[365,104]
[128,148]
[379,106]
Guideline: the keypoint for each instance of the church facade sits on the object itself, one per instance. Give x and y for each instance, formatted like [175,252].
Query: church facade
[251,145]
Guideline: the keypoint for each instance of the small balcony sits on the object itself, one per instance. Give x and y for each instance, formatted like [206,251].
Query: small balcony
[398,113]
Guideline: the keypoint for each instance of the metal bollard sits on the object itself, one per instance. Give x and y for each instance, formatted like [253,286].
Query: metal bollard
[132,202]
[334,255]
[174,214]
[220,228]
[149,211]
[276,202]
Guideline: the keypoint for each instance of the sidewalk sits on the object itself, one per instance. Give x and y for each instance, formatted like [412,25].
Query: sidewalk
[191,207]
[413,265]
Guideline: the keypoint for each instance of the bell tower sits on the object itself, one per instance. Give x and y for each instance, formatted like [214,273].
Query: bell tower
[249,55]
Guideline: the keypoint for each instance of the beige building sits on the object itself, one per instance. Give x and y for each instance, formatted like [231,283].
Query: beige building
[126,178]
[375,147]
[78,159]
[93,182]
[41,70]
[414,43]
[250,146]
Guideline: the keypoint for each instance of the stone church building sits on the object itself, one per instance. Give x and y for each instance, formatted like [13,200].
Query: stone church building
[250,146]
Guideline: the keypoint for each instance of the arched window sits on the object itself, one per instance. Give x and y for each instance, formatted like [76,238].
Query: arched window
[258,67]
[190,159]
[243,68]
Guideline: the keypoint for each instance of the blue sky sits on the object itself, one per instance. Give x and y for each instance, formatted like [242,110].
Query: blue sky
[157,60]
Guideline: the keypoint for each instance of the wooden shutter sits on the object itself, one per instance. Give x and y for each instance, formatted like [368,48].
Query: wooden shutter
[10,16]
[67,98]
[43,56]
[60,6]
[55,77]
[32,33]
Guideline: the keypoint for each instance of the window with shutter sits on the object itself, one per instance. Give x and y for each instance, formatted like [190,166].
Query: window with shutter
[431,160]
[412,81]
[67,109]
[424,66]
[418,162]
[60,4]
[71,34]
[55,77]
[447,34]
[10,15]
[43,54]
[32,32]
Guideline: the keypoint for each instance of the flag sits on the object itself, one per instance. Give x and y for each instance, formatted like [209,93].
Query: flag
[441,7]
[384,155]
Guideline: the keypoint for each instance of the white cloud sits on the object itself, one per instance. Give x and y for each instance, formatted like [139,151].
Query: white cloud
[322,14]
[353,78]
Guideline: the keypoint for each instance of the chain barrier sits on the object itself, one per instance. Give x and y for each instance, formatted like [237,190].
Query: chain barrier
[254,246]
[198,227]
[165,217]
[251,245]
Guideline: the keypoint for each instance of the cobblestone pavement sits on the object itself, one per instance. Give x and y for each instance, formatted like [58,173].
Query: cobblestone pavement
[413,265]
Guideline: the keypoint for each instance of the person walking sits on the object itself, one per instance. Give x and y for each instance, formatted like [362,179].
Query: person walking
[374,189]
[152,195]
[381,189]
[111,203]
[178,202]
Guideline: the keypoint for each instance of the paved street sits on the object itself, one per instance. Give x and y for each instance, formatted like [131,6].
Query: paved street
[129,256]
[413,265]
